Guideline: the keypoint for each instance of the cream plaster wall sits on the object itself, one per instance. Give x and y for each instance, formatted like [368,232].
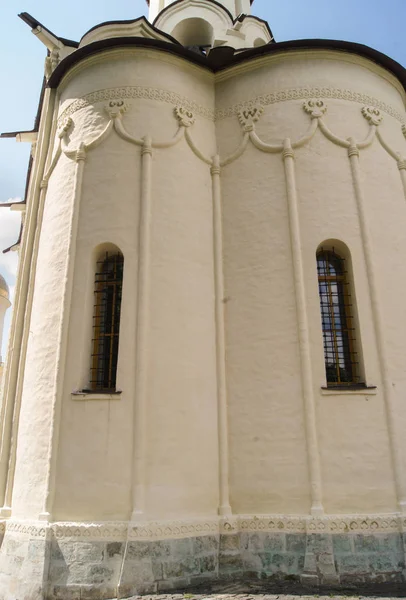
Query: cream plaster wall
[188,411]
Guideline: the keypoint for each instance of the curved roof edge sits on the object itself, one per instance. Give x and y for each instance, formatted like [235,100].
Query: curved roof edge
[224,57]
[129,22]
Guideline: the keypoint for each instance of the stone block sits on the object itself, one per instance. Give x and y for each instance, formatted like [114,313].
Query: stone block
[63,550]
[181,549]
[137,572]
[384,563]
[63,592]
[181,568]
[160,549]
[274,542]
[391,543]
[284,563]
[366,543]
[93,592]
[244,541]
[256,542]
[230,563]
[308,580]
[114,549]
[207,544]
[353,564]
[296,542]
[230,543]
[208,564]
[342,544]
[90,551]
[138,550]
[170,586]
[58,573]
[99,574]
[254,562]
[157,569]
[318,543]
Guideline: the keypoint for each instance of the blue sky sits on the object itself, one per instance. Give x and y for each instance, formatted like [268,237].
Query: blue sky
[372,22]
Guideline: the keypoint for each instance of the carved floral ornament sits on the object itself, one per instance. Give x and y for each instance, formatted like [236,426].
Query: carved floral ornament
[249,116]
[185,116]
[373,115]
[116,108]
[315,108]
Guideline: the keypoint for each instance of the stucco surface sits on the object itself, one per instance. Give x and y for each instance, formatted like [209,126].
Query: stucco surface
[221,370]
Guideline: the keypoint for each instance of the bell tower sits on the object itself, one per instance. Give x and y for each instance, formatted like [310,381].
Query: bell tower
[235,7]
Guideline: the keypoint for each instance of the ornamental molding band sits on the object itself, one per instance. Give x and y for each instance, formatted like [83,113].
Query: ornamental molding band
[248,117]
[169,97]
[154,530]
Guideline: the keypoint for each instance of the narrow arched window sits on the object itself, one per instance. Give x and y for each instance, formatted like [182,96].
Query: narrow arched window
[337,320]
[106,321]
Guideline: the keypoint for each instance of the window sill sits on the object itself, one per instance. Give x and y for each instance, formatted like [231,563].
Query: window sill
[88,395]
[349,391]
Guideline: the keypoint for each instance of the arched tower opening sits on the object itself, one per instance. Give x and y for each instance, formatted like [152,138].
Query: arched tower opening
[194,32]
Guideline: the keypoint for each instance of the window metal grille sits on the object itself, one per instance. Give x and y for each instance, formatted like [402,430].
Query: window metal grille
[106,322]
[340,356]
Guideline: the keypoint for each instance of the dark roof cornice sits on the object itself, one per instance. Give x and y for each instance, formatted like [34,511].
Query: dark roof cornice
[224,57]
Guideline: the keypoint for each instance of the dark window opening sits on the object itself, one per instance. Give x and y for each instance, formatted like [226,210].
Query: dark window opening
[106,322]
[340,356]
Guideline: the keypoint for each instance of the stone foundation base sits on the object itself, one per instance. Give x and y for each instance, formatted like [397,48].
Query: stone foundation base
[98,562]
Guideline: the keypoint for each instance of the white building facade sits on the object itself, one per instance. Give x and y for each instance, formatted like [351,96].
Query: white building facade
[207,362]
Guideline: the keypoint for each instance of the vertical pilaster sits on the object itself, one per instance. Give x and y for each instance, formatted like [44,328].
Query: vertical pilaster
[224,507]
[14,373]
[304,340]
[394,436]
[141,367]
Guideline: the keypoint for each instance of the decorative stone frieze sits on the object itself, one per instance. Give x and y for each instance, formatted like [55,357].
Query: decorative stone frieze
[169,97]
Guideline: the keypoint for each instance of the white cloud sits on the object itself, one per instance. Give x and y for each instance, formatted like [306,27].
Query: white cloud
[10,223]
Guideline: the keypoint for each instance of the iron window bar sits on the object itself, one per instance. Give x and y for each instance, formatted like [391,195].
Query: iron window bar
[106,322]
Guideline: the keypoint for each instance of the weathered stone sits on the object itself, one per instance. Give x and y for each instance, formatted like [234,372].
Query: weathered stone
[230,563]
[254,562]
[58,573]
[208,564]
[181,568]
[138,550]
[366,543]
[90,552]
[274,542]
[114,549]
[207,544]
[99,574]
[342,544]
[137,572]
[352,564]
[63,592]
[384,563]
[160,549]
[229,542]
[181,548]
[296,543]
[318,543]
